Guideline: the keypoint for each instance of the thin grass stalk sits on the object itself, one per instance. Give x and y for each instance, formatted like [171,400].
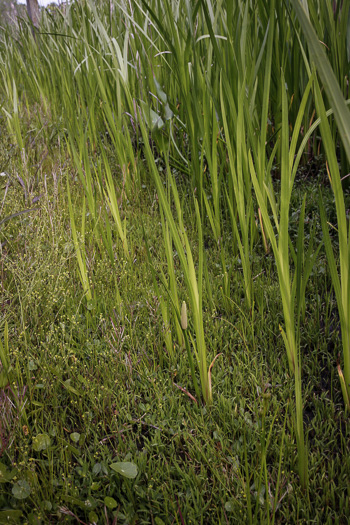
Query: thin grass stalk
[113,202]
[172,278]
[288,286]
[4,358]
[210,147]
[341,277]
[80,251]
[184,250]
[266,95]
[239,182]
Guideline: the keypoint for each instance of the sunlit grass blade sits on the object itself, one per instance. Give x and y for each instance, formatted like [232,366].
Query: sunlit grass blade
[113,202]
[80,251]
[184,251]
[240,210]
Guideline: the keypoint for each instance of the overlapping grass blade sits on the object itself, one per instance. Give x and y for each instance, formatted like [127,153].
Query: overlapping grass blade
[341,280]
[329,81]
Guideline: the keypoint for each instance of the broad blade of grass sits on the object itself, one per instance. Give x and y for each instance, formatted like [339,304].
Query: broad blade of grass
[327,76]
[341,280]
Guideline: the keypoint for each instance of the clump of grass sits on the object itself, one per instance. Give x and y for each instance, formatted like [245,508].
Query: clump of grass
[179,131]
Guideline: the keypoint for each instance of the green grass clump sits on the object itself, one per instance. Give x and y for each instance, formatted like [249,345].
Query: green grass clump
[92,384]
[155,155]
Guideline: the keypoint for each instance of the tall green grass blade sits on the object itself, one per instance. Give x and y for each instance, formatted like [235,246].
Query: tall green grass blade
[4,358]
[290,290]
[327,75]
[78,250]
[341,280]
[194,287]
